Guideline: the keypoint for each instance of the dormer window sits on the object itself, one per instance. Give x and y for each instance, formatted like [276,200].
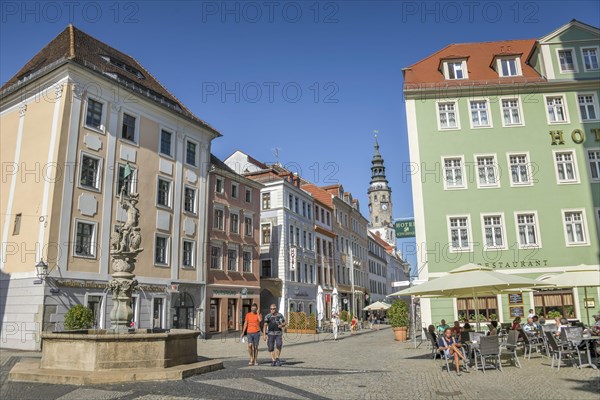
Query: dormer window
[566,60]
[509,66]
[455,69]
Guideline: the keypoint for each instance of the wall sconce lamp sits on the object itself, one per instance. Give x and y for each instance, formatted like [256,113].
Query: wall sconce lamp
[41,270]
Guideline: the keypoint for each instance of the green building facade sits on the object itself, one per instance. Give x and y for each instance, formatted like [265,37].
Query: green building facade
[505,159]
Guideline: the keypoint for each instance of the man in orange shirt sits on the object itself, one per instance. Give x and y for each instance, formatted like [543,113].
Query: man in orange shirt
[252,328]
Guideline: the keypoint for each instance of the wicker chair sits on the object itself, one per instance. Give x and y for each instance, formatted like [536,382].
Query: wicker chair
[511,346]
[559,349]
[489,349]
[530,343]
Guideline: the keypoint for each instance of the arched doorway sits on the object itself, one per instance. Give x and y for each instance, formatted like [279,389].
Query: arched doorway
[183,317]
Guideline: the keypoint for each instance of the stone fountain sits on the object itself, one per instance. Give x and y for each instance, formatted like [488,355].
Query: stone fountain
[118,354]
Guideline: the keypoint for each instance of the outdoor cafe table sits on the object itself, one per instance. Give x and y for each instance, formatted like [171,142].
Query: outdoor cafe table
[587,341]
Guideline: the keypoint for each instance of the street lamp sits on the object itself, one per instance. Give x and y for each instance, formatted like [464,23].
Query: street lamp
[41,270]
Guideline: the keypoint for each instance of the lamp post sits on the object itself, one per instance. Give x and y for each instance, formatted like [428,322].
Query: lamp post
[41,270]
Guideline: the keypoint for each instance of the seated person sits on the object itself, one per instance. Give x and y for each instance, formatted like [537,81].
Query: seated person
[560,324]
[494,330]
[536,323]
[516,324]
[451,348]
[456,329]
[596,327]
[467,327]
[442,326]
[530,328]
[431,330]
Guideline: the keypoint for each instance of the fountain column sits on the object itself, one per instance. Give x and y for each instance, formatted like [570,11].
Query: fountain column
[124,248]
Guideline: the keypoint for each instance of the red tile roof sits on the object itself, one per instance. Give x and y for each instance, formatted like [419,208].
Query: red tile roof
[320,195]
[377,238]
[74,45]
[480,64]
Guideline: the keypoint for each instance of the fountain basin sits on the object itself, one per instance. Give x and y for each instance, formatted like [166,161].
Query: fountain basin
[99,356]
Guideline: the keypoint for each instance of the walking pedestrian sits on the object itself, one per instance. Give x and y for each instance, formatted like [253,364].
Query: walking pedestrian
[252,329]
[335,325]
[273,325]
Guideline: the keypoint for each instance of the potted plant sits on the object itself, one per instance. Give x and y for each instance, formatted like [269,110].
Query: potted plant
[79,317]
[398,317]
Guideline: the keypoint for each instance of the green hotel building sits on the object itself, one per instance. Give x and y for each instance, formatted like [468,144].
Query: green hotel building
[505,160]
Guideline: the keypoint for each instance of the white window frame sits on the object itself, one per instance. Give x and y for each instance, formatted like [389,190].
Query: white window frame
[583,221]
[222,182]
[167,250]
[194,203]
[589,168]
[136,131]
[237,189]
[469,248]
[196,155]
[597,217]
[102,128]
[220,259]
[488,110]
[98,186]
[517,60]
[94,241]
[247,250]
[463,172]
[264,195]
[262,242]
[101,324]
[173,137]
[538,245]
[581,49]
[457,116]
[573,54]
[193,258]
[218,207]
[594,104]
[576,178]
[251,218]
[497,171]
[170,194]
[163,314]
[565,108]
[520,108]
[132,182]
[446,69]
[502,226]
[231,214]
[529,168]
[237,257]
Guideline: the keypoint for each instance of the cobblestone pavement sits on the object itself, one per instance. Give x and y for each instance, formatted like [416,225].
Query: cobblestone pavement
[369,365]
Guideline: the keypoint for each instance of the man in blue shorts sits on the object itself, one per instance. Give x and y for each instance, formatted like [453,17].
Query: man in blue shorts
[273,329]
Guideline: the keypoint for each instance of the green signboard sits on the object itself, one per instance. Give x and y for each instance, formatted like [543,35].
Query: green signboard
[405,228]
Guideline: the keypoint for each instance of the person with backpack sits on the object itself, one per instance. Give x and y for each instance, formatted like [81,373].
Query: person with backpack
[252,329]
[273,325]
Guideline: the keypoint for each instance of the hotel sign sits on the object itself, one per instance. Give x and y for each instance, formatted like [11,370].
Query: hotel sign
[405,228]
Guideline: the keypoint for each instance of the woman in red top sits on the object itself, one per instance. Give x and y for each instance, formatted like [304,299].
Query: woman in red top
[456,329]
[516,324]
[353,325]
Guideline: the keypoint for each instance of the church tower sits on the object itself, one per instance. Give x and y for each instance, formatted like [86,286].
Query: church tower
[380,200]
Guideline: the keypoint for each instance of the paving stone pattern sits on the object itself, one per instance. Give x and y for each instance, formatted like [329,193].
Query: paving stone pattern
[370,366]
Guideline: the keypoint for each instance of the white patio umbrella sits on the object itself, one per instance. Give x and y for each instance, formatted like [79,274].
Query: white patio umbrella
[335,308]
[471,280]
[584,276]
[378,305]
[320,307]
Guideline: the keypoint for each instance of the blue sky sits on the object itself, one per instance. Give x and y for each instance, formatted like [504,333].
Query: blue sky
[313,79]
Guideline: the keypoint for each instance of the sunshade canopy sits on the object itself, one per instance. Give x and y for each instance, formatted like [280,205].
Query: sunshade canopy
[378,305]
[468,280]
[580,276]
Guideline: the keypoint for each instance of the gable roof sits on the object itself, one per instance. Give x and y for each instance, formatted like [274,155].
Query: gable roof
[570,24]
[480,64]
[76,46]
[377,239]
[320,195]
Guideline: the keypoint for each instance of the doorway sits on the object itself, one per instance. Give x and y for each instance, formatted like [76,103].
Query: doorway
[213,322]
[231,314]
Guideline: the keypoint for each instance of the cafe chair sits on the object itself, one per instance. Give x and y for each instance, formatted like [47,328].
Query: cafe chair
[511,346]
[489,349]
[560,349]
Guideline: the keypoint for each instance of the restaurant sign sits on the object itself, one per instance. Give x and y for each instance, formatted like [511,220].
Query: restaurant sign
[515,264]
